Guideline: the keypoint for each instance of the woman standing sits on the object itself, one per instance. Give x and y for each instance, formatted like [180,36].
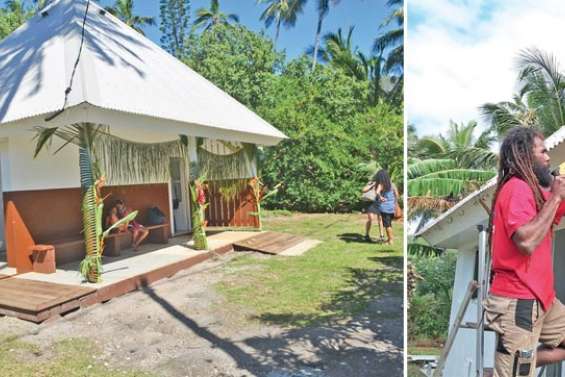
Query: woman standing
[373,212]
[387,195]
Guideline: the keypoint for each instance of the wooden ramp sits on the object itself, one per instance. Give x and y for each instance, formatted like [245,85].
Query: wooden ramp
[37,301]
[269,243]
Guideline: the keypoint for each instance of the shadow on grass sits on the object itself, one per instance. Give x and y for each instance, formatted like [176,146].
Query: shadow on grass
[363,287]
[359,333]
[354,237]
[362,334]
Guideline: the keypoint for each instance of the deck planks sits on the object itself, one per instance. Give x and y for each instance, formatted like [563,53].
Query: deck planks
[269,243]
[31,296]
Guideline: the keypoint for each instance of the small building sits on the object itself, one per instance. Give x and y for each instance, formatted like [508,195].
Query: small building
[458,229]
[75,63]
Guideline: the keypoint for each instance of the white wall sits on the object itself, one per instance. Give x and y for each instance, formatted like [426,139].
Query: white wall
[461,360]
[21,172]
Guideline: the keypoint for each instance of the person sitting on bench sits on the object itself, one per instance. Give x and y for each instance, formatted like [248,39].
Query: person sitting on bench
[119,211]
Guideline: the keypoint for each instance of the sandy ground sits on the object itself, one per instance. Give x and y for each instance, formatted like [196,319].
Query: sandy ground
[182,327]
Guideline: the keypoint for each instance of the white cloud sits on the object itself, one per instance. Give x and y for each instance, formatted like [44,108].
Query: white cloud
[461,54]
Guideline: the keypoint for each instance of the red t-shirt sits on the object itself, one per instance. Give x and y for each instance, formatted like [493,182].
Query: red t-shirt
[517,275]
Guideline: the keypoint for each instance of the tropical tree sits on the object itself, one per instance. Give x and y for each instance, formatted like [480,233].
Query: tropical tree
[506,115]
[338,50]
[447,168]
[175,19]
[393,40]
[123,9]
[323,10]
[281,12]
[12,16]
[540,102]
[207,18]
[91,181]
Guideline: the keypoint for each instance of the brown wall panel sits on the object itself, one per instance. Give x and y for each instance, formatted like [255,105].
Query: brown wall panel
[236,213]
[52,215]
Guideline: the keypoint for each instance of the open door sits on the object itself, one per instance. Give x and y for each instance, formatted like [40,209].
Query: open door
[179,197]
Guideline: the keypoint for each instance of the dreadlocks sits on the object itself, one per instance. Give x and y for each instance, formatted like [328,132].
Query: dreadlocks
[516,159]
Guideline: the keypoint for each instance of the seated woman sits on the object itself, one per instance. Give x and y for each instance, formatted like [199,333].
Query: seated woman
[119,211]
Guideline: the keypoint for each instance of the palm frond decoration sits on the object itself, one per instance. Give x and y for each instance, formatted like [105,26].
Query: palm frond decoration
[91,180]
[126,162]
[240,164]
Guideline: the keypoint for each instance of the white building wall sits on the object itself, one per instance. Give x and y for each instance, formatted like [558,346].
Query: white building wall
[461,360]
[21,172]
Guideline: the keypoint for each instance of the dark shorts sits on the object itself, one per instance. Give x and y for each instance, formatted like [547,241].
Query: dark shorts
[387,219]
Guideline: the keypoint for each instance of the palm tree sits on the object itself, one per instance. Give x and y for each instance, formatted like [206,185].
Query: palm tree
[446,168]
[123,9]
[541,100]
[323,10]
[505,115]
[393,39]
[281,12]
[207,18]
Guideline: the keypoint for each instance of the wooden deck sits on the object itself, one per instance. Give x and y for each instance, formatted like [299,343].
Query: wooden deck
[36,301]
[39,300]
[269,243]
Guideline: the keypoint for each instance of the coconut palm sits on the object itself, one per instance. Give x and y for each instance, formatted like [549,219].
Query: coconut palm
[207,18]
[393,40]
[323,10]
[506,115]
[541,101]
[123,9]
[281,12]
[447,168]
[91,180]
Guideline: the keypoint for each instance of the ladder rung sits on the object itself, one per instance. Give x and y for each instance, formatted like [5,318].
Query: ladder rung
[469,325]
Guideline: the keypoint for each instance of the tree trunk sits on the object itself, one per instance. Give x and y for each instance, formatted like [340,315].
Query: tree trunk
[317,42]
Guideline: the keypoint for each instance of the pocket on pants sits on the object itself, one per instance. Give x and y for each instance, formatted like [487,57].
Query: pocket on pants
[525,314]
[495,308]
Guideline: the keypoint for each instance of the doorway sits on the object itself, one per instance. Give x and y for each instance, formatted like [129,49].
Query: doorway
[179,197]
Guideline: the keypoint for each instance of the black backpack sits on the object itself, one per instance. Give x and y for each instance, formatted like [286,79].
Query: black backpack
[155,216]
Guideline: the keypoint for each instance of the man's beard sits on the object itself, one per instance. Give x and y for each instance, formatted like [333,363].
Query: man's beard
[543,174]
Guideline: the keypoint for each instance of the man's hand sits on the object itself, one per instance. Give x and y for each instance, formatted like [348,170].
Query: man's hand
[558,186]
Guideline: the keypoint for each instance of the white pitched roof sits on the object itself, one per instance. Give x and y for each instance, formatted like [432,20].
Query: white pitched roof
[120,73]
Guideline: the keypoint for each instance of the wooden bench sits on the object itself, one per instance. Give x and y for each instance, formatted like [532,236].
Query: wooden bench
[116,242]
[70,250]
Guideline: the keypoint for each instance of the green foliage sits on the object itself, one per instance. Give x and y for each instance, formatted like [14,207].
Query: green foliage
[238,61]
[443,169]
[123,9]
[334,129]
[433,291]
[175,18]
[332,132]
[15,13]
[212,17]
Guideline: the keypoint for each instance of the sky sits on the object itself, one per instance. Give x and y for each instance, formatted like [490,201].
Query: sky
[366,15]
[461,54]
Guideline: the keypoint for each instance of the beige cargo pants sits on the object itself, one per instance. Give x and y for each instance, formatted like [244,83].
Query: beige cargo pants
[521,325]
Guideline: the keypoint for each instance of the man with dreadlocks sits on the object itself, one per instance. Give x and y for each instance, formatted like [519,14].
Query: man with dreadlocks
[522,307]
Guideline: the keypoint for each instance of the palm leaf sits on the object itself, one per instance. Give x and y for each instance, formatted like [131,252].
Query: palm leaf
[130,217]
[428,166]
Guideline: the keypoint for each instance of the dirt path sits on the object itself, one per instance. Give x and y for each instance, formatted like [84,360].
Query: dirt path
[182,327]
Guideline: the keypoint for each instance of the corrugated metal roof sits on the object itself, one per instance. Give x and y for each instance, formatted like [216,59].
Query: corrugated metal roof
[119,70]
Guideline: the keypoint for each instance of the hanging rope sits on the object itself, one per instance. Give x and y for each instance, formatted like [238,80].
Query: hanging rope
[70,87]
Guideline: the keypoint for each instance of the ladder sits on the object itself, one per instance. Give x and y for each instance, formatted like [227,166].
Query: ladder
[480,286]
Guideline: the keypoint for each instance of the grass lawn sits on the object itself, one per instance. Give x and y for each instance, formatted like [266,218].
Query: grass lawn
[69,358]
[335,280]
[415,350]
